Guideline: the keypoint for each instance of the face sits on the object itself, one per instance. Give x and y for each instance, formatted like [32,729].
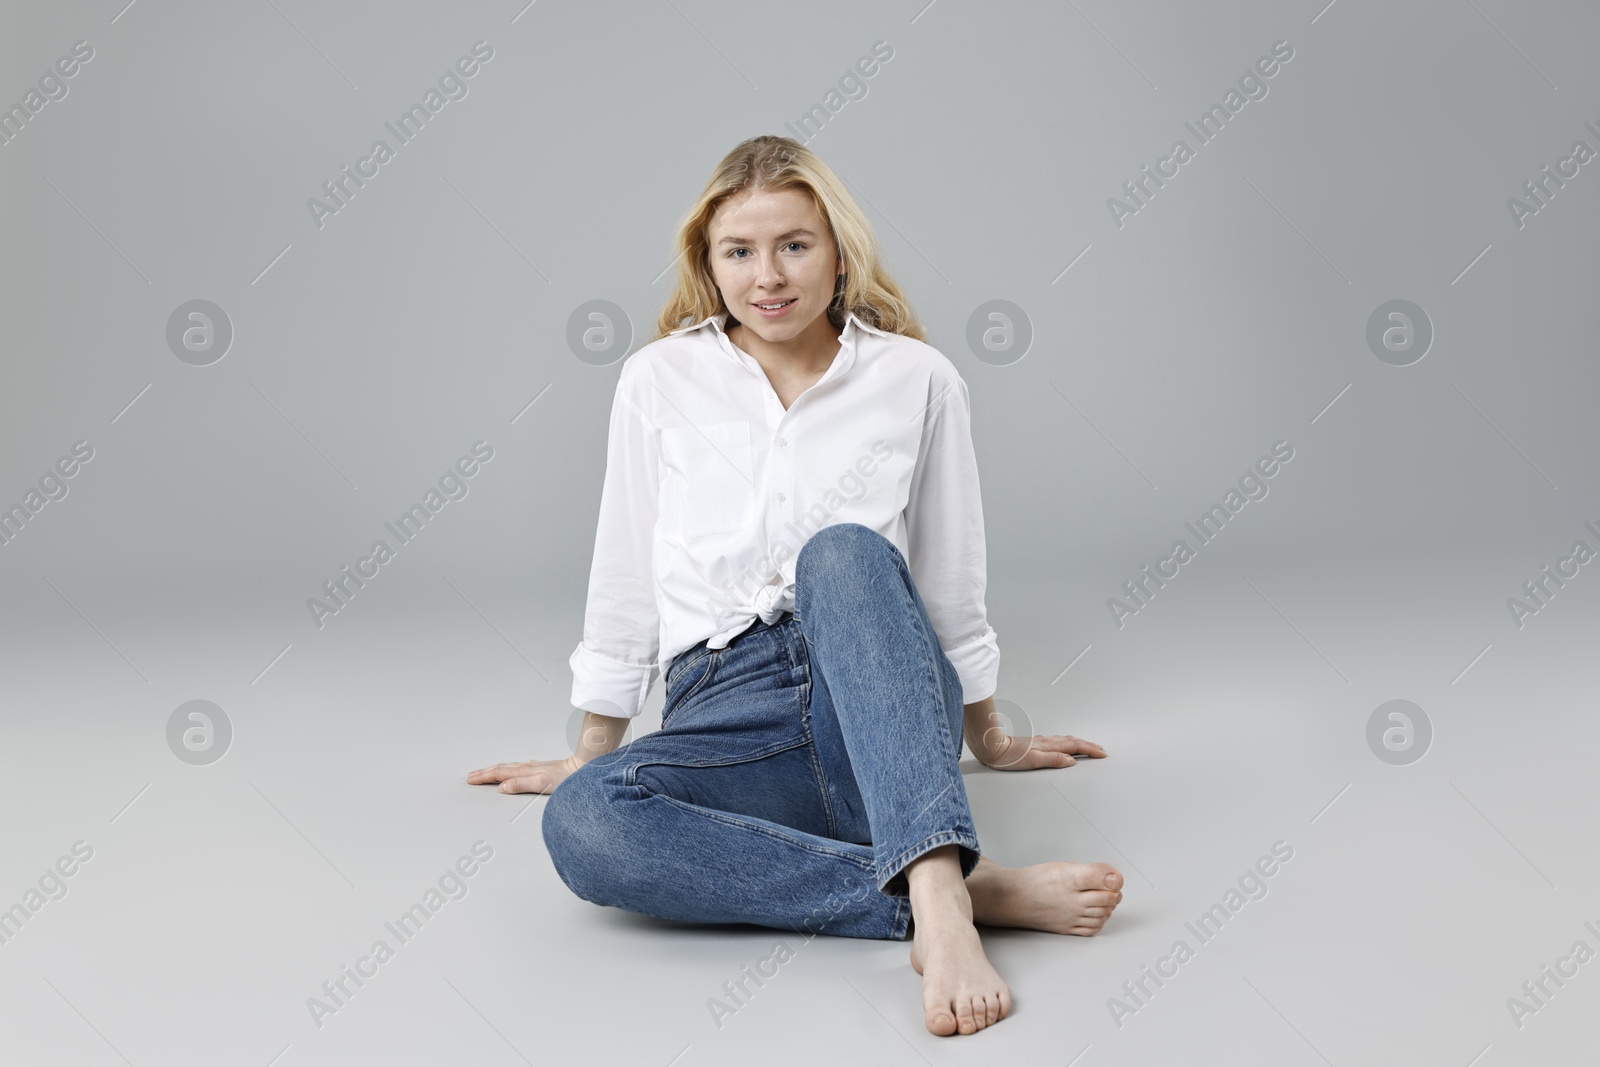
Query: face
[769,247]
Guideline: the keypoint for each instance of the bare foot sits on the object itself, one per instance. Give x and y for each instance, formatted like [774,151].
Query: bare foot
[961,990]
[1059,897]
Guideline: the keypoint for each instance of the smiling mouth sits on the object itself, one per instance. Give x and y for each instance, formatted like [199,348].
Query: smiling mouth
[775,306]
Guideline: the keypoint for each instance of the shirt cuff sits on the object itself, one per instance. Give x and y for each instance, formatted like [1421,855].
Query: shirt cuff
[607,686]
[978,665]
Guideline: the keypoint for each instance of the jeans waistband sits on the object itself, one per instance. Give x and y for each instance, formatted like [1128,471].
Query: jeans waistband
[756,626]
[759,625]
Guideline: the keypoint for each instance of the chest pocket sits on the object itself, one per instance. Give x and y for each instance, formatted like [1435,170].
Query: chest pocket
[709,483]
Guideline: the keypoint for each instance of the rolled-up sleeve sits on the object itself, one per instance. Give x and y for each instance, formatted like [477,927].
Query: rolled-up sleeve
[614,665]
[944,534]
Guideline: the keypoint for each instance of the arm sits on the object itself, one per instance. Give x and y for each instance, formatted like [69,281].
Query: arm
[948,558]
[614,665]
[946,551]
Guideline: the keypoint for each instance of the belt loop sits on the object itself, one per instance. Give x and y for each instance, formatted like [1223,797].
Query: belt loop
[795,644]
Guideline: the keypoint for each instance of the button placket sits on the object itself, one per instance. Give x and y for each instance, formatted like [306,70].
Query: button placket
[782,465]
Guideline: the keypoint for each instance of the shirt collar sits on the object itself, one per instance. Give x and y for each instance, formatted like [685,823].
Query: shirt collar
[847,336]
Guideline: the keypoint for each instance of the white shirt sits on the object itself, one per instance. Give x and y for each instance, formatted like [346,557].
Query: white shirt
[711,488]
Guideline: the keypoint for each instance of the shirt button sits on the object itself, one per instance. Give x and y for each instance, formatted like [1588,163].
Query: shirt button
[781,442]
[781,498]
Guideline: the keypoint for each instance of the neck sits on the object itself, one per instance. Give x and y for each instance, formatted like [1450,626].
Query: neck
[815,348]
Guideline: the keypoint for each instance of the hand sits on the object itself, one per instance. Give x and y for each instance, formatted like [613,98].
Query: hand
[601,734]
[1008,753]
[534,776]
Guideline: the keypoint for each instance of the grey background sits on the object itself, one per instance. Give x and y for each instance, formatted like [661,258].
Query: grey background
[370,354]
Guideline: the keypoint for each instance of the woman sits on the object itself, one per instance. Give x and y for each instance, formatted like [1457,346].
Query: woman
[791,532]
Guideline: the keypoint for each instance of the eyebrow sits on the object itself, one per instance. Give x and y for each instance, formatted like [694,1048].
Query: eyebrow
[751,241]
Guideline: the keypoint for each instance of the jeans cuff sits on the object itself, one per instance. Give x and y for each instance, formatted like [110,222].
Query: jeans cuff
[966,852]
[900,930]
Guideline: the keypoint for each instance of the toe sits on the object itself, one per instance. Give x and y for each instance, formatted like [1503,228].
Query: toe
[940,1021]
[1094,877]
[964,1020]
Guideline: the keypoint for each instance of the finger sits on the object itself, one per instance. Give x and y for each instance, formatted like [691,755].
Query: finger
[496,768]
[1038,759]
[1077,745]
[533,783]
[1047,752]
[1026,754]
[511,770]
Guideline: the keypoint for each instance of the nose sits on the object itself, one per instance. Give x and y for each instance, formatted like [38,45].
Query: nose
[769,276]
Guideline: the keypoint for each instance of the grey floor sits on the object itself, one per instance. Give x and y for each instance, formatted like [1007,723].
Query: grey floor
[219,898]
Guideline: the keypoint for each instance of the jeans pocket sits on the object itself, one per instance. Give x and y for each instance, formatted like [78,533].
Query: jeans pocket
[688,682]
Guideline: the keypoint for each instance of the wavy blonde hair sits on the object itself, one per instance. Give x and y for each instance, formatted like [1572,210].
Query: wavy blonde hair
[773,164]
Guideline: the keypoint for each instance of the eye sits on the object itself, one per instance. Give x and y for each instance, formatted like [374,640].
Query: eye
[732,252]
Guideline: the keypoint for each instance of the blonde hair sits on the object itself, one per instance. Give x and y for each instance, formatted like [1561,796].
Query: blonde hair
[773,164]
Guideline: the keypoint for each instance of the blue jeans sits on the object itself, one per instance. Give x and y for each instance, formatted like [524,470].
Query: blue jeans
[796,772]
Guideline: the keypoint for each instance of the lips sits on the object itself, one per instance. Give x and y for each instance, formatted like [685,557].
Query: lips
[784,304]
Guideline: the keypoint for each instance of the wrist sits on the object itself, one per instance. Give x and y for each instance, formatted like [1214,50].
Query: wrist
[601,734]
[989,743]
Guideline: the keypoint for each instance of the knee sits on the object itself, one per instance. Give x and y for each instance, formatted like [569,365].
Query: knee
[575,831]
[840,549]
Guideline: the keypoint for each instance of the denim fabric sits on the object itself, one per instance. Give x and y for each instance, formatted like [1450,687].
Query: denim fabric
[796,772]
